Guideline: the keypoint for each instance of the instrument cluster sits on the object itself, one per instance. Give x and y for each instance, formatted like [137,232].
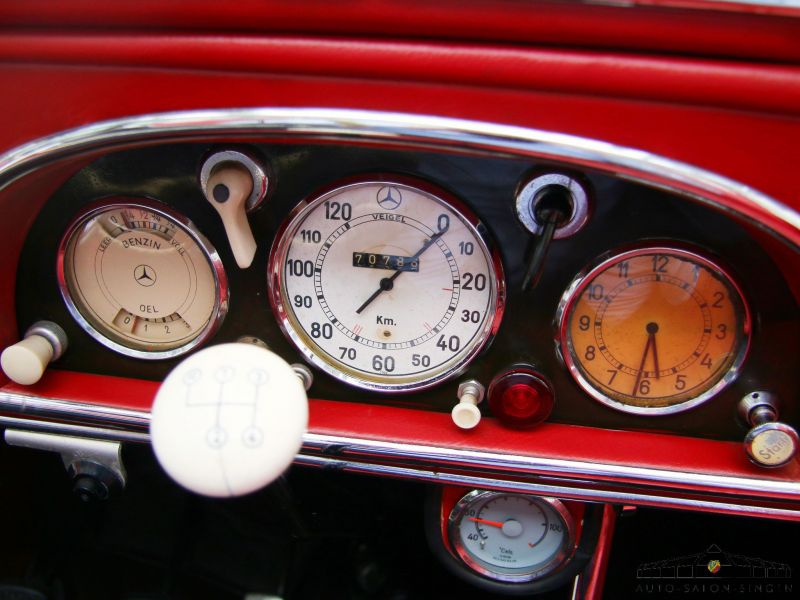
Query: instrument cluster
[397,276]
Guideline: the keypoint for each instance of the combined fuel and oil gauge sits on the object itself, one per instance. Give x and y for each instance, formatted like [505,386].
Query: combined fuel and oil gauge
[654,330]
[140,279]
[385,285]
[511,537]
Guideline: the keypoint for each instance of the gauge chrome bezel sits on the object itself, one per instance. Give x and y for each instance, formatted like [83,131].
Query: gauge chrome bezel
[476,497]
[569,298]
[221,289]
[284,314]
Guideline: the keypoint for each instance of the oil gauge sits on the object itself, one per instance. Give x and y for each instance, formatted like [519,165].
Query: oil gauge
[140,279]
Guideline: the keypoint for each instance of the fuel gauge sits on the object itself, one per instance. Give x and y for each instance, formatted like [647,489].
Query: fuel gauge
[140,279]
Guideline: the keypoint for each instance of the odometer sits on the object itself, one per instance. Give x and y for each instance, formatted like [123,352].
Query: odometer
[654,330]
[385,285]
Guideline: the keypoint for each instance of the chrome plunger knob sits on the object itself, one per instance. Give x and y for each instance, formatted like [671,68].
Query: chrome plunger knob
[769,443]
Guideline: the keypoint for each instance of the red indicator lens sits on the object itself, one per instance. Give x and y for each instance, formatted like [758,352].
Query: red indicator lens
[520,401]
[521,397]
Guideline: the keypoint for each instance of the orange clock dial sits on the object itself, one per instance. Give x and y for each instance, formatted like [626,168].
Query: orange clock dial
[654,330]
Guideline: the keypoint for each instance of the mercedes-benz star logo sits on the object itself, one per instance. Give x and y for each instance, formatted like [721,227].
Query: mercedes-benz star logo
[389,197]
[144,275]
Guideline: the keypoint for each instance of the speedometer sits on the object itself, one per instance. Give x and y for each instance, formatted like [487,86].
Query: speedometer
[385,285]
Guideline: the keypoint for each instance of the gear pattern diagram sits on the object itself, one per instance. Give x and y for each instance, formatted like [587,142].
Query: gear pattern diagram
[223,401]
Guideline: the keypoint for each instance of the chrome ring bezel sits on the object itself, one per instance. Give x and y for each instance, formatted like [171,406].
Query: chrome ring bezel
[573,291]
[221,290]
[525,204]
[565,551]
[291,330]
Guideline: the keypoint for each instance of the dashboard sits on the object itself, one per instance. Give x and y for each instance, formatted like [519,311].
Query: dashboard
[554,274]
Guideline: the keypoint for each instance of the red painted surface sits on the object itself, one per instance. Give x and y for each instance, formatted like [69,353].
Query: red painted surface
[663,29]
[725,84]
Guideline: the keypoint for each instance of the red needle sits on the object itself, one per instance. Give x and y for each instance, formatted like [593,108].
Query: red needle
[485,522]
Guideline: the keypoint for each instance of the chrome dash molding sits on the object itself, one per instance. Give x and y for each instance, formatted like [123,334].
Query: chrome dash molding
[410,131]
[583,480]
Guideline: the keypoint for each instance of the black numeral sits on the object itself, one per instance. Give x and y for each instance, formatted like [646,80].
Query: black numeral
[334,211]
[590,353]
[443,223]
[300,268]
[644,387]
[660,263]
[348,353]
[418,360]
[718,298]
[613,375]
[311,236]
[452,344]
[479,281]
[623,269]
[680,382]
[302,301]
[706,362]
[466,248]
[584,322]
[383,363]
[473,316]
[324,331]
[596,291]
[722,331]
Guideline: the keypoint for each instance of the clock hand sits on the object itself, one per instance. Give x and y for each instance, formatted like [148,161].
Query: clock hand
[651,328]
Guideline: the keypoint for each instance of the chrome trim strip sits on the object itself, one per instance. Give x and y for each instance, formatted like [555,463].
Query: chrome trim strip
[136,424]
[95,433]
[557,491]
[77,412]
[560,468]
[418,131]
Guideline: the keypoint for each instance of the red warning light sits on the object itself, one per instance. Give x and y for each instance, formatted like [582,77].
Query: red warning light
[521,397]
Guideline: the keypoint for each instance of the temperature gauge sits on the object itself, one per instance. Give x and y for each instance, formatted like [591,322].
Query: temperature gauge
[141,280]
[511,537]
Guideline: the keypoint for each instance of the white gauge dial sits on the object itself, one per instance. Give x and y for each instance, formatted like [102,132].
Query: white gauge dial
[140,280]
[385,286]
[511,537]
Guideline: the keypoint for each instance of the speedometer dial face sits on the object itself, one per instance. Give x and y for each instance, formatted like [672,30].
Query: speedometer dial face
[655,330]
[140,280]
[385,285]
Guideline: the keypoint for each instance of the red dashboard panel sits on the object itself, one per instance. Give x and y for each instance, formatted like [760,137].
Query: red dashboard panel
[707,96]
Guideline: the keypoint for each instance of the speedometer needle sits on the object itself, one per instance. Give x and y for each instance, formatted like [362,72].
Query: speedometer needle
[387,283]
[485,522]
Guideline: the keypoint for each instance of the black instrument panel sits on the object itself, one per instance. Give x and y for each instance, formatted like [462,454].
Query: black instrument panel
[622,213]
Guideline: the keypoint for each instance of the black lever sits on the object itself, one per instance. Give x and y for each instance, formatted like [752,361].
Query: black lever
[552,209]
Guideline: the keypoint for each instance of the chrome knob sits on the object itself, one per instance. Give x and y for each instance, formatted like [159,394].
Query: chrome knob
[769,443]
